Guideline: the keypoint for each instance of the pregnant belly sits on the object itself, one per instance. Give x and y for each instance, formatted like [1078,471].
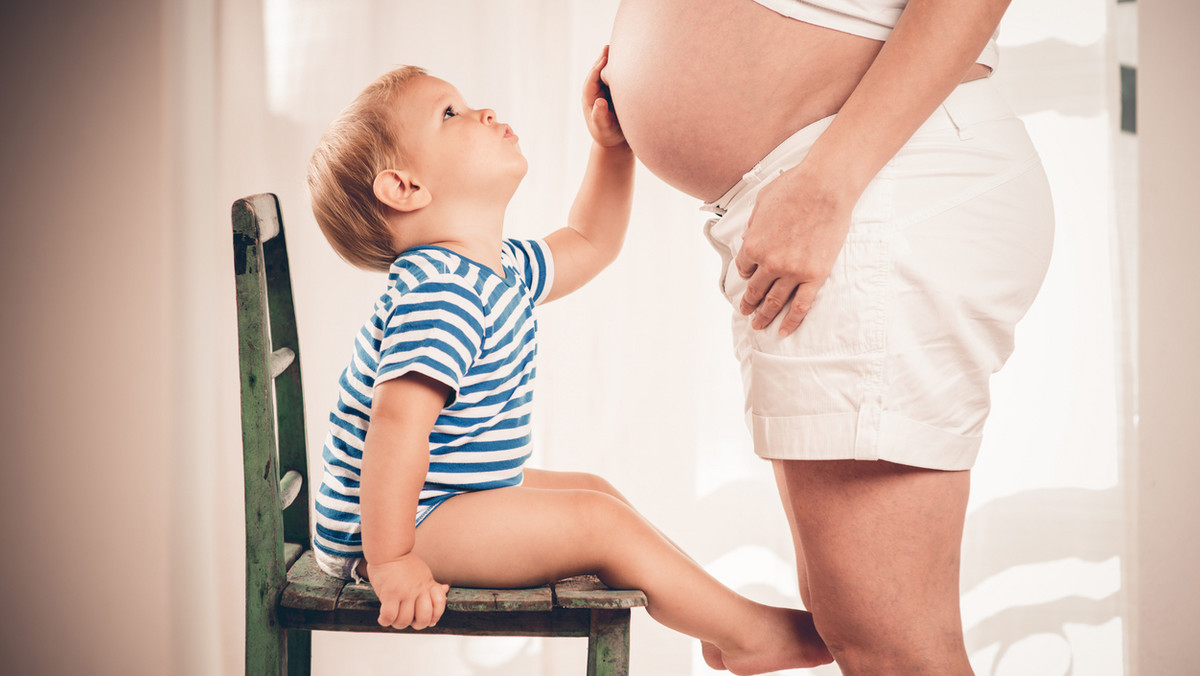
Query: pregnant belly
[706,89]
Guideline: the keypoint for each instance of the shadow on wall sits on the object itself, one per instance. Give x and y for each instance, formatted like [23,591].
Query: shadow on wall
[1024,529]
[1041,526]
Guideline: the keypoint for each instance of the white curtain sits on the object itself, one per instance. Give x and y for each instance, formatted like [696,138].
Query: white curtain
[636,376]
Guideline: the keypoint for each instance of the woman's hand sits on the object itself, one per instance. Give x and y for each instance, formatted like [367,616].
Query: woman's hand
[601,119]
[408,594]
[795,234]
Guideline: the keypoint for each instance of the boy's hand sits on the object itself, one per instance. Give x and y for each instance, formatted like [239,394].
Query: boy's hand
[598,111]
[408,594]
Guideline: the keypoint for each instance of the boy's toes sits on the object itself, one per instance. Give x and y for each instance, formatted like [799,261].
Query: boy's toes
[712,656]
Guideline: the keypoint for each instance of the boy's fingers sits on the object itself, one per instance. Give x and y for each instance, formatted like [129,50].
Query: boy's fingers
[405,616]
[422,612]
[387,613]
[439,605]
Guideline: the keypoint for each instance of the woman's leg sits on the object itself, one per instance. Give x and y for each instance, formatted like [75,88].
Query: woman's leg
[524,536]
[801,568]
[879,549]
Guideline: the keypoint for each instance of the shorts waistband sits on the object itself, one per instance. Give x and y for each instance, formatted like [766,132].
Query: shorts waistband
[970,103]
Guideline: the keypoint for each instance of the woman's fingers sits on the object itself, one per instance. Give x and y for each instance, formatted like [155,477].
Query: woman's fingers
[801,303]
[776,299]
[765,296]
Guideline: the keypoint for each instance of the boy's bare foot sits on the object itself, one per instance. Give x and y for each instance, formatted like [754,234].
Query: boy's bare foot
[786,639]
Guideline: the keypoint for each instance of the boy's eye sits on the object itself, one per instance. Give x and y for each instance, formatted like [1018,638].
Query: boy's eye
[448,113]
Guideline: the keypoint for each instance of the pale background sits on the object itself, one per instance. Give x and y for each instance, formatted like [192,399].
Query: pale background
[130,127]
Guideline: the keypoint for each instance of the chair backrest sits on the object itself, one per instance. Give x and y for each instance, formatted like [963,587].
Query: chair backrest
[273,437]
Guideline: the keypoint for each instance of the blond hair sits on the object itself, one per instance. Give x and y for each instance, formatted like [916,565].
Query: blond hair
[358,145]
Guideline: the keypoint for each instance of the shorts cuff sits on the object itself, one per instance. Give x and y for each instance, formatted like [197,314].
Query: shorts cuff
[344,567]
[847,436]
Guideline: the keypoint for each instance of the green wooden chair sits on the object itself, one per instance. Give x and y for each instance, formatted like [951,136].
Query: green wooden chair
[287,596]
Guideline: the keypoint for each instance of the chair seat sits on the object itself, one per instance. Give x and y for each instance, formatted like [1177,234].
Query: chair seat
[314,600]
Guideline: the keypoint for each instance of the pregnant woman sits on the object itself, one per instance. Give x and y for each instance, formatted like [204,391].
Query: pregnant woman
[883,222]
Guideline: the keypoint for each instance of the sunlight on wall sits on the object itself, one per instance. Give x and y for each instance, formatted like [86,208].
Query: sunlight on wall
[1041,580]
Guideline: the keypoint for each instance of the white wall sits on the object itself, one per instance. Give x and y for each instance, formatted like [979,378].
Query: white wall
[1163,582]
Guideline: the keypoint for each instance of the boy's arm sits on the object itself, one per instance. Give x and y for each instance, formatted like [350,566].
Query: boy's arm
[395,462]
[600,214]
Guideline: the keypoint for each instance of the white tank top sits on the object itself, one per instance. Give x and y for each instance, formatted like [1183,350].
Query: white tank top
[869,18]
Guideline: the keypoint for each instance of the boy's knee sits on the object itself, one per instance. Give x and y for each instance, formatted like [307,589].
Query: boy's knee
[607,528]
[602,516]
[595,482]
[602,506]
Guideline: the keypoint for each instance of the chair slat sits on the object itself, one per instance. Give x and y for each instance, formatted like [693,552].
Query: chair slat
[288,389]
[280,360]
[289,488]
[291,552]
[587,591]
[265,573]
[556,622]
[493,600]
[361,596]
[265,205]
[309,588]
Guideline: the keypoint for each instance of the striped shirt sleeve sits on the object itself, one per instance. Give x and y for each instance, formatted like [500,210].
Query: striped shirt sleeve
[435,329]
[534,263]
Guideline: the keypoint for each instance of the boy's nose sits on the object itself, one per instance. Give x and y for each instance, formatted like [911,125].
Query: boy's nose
[488,116]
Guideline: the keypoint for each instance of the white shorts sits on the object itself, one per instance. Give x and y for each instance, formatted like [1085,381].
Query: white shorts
[946,250]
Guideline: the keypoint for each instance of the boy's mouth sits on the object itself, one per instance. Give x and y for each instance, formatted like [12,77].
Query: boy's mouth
[508,132]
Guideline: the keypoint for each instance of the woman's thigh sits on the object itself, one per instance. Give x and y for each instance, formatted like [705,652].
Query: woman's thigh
[878,547]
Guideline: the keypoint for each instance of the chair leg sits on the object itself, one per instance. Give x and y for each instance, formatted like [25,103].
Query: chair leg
[266,647]
[608,643]
[299,652]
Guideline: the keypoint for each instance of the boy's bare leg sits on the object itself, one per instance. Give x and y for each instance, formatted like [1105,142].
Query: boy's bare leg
[555,480]
[539,478]
[878,548]
[524,536]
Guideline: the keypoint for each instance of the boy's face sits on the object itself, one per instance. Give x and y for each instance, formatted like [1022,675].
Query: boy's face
[454,149]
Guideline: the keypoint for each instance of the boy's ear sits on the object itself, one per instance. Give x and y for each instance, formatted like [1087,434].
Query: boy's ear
[399,190]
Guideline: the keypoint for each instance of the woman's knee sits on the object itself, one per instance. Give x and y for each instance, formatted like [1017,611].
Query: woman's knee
[871,653]
[876,638]
[879,547]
